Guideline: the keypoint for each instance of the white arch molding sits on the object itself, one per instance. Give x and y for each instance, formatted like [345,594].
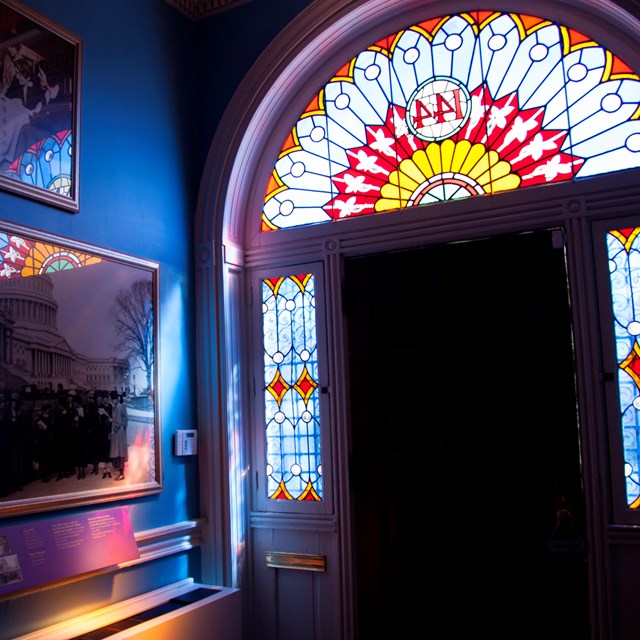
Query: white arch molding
[228,241]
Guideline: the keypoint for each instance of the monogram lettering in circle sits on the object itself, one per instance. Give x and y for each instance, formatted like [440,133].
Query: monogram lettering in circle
[438,109]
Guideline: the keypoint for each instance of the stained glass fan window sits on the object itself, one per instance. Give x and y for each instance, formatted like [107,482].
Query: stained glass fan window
[291,393]
[453,107]
[623,247]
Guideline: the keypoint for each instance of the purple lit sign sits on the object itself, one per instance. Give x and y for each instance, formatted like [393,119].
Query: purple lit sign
[50,550]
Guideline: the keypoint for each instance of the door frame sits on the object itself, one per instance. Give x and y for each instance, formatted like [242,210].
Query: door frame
[228,243]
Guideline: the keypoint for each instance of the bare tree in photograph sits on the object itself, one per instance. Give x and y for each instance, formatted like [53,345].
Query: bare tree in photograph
[132,316]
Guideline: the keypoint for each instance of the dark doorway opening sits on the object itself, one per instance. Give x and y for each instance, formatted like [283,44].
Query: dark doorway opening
[466,484]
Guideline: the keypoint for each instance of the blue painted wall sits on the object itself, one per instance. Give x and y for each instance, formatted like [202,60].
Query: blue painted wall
[138,183]
[154,86]
[228,44]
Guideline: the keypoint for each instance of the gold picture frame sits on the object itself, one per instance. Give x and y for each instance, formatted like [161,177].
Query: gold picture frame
[79,409]
[40,76]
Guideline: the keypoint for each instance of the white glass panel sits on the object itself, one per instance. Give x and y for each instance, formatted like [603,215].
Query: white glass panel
[305,170]
[604,107]
[539,54]
[618,149]
[412,63]
[347,109]
[373,74]
[499,43]
[459,39]
[295,207]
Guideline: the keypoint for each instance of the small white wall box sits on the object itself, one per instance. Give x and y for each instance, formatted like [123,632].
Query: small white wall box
[186,442]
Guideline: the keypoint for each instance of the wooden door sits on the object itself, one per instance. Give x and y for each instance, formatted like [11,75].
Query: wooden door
[466,484]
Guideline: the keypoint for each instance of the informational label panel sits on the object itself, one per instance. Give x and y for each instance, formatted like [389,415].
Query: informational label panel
[50,550]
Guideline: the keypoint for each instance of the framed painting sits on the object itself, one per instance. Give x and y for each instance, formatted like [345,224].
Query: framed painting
[79,411]
[39,107]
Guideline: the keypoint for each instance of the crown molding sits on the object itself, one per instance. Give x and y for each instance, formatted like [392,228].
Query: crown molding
[199,9]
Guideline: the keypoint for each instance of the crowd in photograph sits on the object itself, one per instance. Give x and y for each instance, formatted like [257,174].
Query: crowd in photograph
[68,433]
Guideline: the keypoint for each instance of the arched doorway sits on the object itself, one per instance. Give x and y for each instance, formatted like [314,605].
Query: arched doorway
[234,254]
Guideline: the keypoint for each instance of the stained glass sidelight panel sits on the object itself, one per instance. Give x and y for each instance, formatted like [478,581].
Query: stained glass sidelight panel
[291,393]
[623,246]
[454,107]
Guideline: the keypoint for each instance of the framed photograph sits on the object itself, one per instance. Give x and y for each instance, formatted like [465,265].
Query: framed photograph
[39,106]
[79,411]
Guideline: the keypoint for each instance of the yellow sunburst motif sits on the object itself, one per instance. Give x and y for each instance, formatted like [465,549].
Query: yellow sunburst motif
[47,258]
[446,171]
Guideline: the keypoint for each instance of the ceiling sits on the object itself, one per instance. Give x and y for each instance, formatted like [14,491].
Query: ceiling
[198,9]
